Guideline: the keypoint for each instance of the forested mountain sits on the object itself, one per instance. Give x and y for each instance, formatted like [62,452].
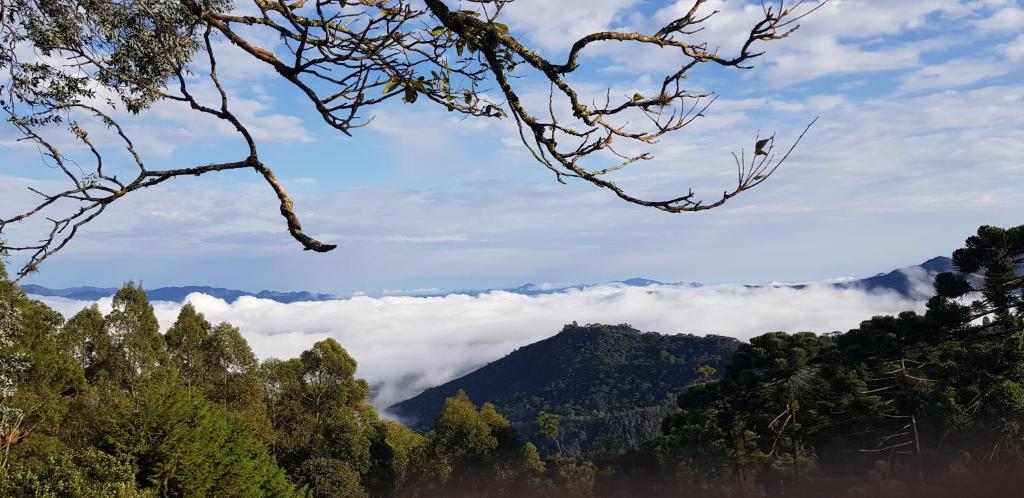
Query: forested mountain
[606,382]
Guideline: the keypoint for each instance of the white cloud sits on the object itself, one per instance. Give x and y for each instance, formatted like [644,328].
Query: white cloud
[1014,50]
[406,344]
[555,25]
[1006,19]
[954,73]
[407,239]
[842,37]
[817,56]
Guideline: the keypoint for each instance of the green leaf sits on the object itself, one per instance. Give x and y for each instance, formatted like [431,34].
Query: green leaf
[410,94]
[501,27]
[438,31]
[391,85]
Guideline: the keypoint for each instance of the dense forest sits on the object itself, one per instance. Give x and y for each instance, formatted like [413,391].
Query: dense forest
[912,405]
[609,385]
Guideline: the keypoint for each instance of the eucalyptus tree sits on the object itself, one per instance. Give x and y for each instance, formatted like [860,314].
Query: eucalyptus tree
[185,344]
[12,418]
[137,347]
[75,66]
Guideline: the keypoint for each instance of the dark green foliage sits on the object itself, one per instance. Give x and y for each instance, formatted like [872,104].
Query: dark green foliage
[567,477]
[186,344]
[184,446]
[37,376]
[85,336]
[83,474]
[998,254]
[318,408]
[911,405]
[476,452]
[605,382]
[136,348]
[330,478]
[97,409]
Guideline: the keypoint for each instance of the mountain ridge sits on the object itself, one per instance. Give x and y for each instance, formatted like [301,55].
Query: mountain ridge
[898,280]
[597,378]
[176,294]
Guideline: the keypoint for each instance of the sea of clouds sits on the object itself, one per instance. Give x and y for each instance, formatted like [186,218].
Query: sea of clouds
[407,344]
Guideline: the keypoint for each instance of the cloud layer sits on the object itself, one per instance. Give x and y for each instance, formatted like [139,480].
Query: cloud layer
[406,344]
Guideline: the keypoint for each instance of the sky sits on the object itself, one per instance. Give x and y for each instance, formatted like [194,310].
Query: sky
[919,141]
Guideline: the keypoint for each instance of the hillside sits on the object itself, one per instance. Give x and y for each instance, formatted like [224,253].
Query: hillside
[603,380]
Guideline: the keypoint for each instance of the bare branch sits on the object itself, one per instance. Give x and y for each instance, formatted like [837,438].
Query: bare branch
[344,56]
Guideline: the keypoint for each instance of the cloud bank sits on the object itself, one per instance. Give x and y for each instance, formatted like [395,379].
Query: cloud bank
[407,344]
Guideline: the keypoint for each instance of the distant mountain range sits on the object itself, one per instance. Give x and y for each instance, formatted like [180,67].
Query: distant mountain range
[176,294]
[605,381]
[908,282]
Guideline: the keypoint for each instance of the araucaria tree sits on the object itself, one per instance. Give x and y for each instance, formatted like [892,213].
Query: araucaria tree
[71,66]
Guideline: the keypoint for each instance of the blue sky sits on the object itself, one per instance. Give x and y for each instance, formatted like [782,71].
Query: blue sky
[920,140]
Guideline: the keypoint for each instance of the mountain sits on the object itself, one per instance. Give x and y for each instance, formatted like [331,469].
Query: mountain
[607,382]
[538,290]
[83,293]
[912,282]
[176,294]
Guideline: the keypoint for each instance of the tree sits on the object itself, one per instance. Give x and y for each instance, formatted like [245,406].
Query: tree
[185,344]
[330,478]
[37,376]
[997,254]
[181,445]
[393,451]
[476,452]
[85,336]
[231,364]
[85,474]
[344,57]
[548,424]
[135,335]
[318,408]
[912,404]
[12,362]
